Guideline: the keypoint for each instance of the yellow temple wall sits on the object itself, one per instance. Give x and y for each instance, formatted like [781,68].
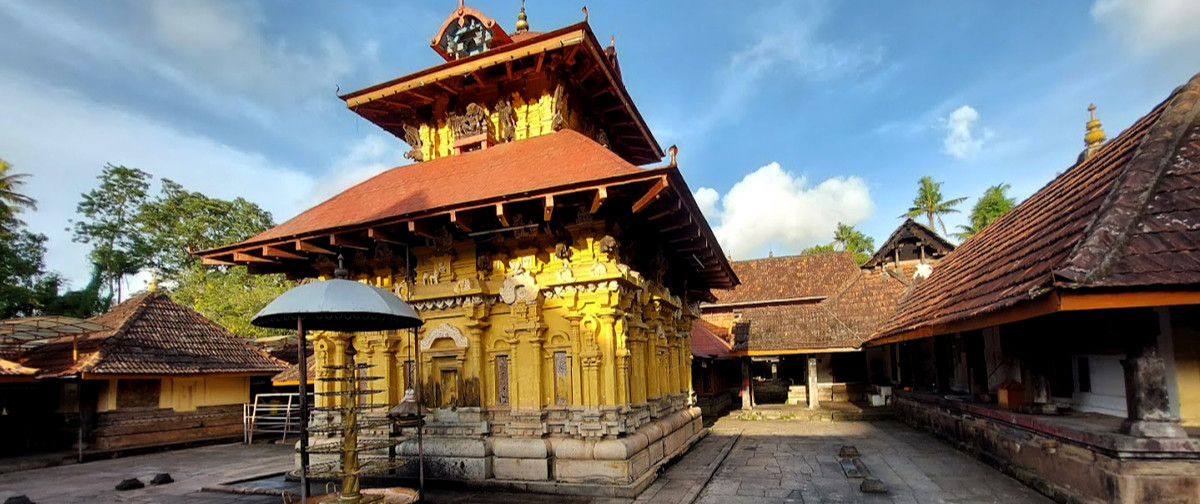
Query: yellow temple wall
[1187,373]
[625,339]
[189,393]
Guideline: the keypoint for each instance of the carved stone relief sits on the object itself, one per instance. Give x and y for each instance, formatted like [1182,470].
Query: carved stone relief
[472,122]
[412,137]
[444,331]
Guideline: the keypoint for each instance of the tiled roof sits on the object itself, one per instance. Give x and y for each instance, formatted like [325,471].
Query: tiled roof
[1125,217]
[151,335]
[552,160]
[910,232]
[12,369]
[843,321]
[291,375]
[707,342]
[789,277]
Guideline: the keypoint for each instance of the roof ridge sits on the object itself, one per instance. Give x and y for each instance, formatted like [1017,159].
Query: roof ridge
[1104,239]
[119,332]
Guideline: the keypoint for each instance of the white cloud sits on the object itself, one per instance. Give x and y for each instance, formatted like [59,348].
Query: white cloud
[963,138]
[775,208]
[788,43]
[63,140]
[1147,25]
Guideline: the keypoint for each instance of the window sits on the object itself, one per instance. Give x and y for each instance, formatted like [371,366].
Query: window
[138,393]
[1085,375]
[502,380]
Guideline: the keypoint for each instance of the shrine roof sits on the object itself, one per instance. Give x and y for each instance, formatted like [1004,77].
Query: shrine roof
[784,278]
[1117,229]
[152,335]
[564,164]
[909,231]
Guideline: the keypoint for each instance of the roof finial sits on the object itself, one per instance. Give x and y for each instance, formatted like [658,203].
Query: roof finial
[341,271]
[522,21]
[673,150]
[153,285]
[1094,136]
[585,14]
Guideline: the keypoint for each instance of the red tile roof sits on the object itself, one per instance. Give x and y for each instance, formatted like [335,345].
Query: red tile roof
[151,335]
[789,277]
[556,159]
[1126,217]
[706,341]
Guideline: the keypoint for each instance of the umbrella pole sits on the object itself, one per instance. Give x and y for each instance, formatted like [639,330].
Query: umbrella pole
[303,365]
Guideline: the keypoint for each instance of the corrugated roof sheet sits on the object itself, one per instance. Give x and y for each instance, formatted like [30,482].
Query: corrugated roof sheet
[1129,216]
[151,335]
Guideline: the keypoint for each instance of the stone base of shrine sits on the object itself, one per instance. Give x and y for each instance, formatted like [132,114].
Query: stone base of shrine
[599,466]
[1076,458]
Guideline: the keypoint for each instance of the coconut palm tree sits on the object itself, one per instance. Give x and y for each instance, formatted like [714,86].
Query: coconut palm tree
[12,201]
[929,203]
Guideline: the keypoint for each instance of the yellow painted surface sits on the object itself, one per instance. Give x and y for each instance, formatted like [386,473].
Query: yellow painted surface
[108,396]
[1187,370]
[189,393]
[620,337]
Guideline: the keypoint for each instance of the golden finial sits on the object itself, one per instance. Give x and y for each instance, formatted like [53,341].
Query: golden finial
[1095,134]
[522,21]
[153,285]
[673,150]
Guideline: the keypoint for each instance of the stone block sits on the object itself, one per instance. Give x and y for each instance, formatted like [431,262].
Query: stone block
[522,469]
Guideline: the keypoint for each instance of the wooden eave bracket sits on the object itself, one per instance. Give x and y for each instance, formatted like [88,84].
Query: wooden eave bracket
[209,261]
[342,241]
[548,207]
[269,251]
[380,235]
[651,195]
[598,200]
[243,257]
[463,221]
[500,215]
[419,229]
[304,246]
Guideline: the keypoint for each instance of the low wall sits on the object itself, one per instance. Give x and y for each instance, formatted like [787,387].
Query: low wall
[1070,466]
[145,427]
[715,404]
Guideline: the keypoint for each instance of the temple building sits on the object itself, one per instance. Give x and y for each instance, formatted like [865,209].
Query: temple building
[797,323]
[161,375]
[1062,342]
[558,280]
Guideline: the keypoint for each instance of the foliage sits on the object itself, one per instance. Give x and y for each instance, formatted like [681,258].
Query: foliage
[24,283]
[108,223]
[229,297]
[11,201]
[83,303]
[989,207]
[182,221]
[846,238]
[930,204]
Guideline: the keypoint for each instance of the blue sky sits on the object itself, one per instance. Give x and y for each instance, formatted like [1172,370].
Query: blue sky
[789,116]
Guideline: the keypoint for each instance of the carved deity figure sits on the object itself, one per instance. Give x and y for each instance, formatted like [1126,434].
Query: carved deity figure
[473,122]
[412,137]
[508,120]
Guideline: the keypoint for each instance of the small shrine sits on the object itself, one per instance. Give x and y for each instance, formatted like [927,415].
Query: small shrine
[557,278]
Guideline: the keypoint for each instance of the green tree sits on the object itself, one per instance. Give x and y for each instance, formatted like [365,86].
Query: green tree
[108,222]
[12,201]
[989,207]
[846,238]
[179,222]
[25,286]
[83,303]
[229,297]
[930,204]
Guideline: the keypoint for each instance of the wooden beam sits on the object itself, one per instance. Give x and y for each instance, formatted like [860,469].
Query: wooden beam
[538,66]
[269,251]
[508,68]
[478,76]
[588,73]
[571,54]
[651,195]
[462,221]
[678,225]
[343,241]
[601,196]
[671,210]
[419,95]
[613,108]
[602,92]
[446,88]
[381,236]
[417,228]
[500,215]
[684,238]
[304,246]
[548,208]
[247,258]
[208,261]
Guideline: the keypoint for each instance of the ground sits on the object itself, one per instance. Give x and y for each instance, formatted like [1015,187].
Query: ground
[740,461]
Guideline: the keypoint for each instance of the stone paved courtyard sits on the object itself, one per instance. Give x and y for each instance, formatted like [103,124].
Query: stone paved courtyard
[740,461]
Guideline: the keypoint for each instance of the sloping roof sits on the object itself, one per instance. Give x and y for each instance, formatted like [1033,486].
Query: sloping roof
[1126,217]
[789,277]
[842,322]
[10,370]
[909,232]
[706,341]
[551,160]
[151,335]
[291,375]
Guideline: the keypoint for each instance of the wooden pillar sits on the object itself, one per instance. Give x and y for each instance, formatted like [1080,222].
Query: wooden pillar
[747,385]
[977,371]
